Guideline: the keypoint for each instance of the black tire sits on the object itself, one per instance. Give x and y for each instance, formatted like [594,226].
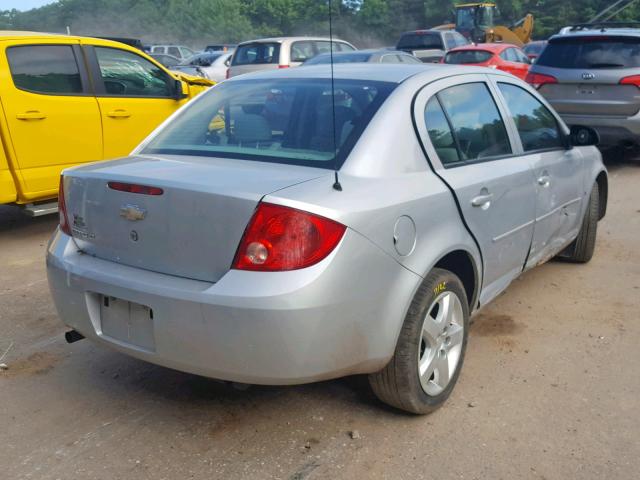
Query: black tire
[398,384]
[581,250]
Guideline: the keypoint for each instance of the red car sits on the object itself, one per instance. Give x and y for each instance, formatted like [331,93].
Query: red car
[502,56]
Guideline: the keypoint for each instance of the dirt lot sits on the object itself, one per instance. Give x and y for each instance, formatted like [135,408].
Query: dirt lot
[550,388]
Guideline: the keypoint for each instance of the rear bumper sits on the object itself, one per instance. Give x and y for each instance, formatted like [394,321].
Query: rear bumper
[613,130]
[339,317]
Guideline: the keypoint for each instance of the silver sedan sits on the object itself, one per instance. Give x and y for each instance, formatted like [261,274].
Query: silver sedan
[283,228]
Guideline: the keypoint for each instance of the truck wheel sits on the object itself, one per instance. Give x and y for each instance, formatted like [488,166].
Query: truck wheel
[430,349]
[581,250]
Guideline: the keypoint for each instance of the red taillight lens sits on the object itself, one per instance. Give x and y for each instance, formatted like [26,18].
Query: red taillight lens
[537,80]
[632,80]
[62,209]
[283,66]
[134,188]
[281,238]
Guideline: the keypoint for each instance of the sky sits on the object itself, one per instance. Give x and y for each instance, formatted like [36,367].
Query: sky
[23,4]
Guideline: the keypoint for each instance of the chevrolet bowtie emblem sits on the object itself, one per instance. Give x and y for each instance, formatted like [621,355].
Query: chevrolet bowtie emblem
[132,212]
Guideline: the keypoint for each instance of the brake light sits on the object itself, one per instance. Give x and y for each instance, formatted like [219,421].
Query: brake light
[283,66]
[134,188]
[62,209]
[281,238]
[632,80]
[537,80]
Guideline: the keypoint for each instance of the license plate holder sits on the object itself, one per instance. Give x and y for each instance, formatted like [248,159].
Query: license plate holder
[127,322]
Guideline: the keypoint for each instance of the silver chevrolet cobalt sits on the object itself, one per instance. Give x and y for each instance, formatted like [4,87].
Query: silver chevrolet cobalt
[283,228]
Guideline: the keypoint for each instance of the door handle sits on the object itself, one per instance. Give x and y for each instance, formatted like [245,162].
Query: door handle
[119,113]
[544,181]
[31,115]
[483,200]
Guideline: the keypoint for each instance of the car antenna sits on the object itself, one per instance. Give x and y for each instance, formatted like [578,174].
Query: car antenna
[336,184]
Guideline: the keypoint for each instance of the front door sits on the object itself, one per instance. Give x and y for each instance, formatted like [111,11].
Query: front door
[53,119]
[471,151]
[558,172]
[134,96]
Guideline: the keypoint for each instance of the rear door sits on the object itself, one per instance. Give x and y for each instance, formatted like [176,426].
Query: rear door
[52,116]
[558,171]
[514,63]
[588,72]
[134,96]
[468,144]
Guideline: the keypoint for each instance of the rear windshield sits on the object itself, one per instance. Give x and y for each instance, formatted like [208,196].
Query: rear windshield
[257,54]
[592,52]
[467,56]
[420,41]
[282,121]
[339,58]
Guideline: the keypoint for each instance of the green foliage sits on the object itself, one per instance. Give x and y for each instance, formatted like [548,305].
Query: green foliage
[366,22]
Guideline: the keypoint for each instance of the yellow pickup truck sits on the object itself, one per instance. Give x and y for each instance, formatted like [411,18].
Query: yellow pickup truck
[66,100]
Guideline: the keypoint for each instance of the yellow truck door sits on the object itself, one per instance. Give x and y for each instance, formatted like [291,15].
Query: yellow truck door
[134,95]
[8,193]
[51,115]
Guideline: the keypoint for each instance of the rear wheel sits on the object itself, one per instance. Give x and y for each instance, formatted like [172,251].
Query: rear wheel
[581,250]
[430,349]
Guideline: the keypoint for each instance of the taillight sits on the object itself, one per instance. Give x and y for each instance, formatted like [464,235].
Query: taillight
[281,238]
[632,80]
[537,80]
[62,209]
[135,188]
[228,74]
[283,66]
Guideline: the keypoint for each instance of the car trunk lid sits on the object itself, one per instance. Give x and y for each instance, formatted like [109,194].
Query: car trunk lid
[191,229]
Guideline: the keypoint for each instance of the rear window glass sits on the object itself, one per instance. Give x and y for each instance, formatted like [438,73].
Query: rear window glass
[467,56]
[534,48]
[592,52]
[283,121]
[48,69]
[257,54]
[420,41]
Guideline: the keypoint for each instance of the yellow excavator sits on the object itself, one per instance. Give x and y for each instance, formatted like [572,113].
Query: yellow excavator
[476,22]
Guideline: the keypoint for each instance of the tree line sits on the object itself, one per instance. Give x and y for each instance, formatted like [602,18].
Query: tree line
[363,22]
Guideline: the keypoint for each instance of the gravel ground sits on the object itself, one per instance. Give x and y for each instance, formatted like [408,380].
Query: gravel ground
[550,388]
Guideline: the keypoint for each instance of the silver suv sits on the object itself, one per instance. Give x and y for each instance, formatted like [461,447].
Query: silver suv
[591,76]
[281,52]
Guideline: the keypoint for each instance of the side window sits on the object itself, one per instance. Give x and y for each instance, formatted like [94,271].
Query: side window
[449,41]
[510,55]
[301,51]
[129,75]
[522,58]
[477,124]
[536,125]
[343,47]
[50,69]
[389,59]
[175,51]
[440,132]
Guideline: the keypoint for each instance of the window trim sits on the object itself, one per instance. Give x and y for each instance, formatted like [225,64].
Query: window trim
[522,151]
[473,161]
[80,63]
[99,88]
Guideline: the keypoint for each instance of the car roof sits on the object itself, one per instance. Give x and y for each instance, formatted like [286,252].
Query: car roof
[424,30]
[487,47]
[605,32]
[289,39]
[391,73]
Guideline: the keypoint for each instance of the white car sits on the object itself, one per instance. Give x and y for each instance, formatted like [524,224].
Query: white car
[211,65]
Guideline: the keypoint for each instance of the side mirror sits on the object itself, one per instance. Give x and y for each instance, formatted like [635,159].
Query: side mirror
[583,136]
[178,93]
